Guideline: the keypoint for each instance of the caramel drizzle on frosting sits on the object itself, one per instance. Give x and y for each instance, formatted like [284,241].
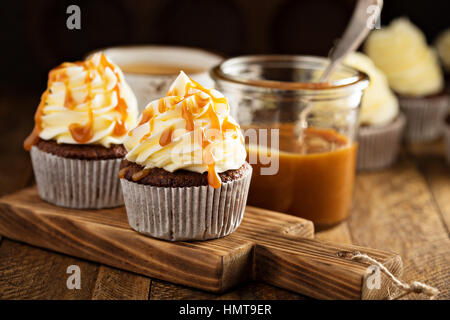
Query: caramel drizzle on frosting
[166,136]
[187,113]
[81,133]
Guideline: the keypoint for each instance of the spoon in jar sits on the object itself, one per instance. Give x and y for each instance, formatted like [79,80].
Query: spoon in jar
[363,20]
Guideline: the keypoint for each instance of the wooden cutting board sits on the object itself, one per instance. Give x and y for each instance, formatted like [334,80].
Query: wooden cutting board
[268,246]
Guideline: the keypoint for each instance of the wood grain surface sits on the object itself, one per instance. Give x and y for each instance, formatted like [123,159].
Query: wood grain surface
[268,246]
[27,272]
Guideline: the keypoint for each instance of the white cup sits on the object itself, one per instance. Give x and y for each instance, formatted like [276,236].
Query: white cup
[149,87]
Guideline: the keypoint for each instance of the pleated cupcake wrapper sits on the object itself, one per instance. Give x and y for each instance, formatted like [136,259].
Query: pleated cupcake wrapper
[189,213]
[424,117]
[378,146]
[447,142]
[79,184]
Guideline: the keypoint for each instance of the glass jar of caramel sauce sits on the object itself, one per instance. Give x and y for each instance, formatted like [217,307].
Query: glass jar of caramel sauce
[300,134]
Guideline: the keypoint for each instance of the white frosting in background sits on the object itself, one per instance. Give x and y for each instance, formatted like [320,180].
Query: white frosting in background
[92,87]
[185,150]
[400,50]
[443,48]
[379,105]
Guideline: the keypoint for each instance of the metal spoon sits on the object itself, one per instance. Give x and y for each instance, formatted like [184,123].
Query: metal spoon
[365,14]
[357,30]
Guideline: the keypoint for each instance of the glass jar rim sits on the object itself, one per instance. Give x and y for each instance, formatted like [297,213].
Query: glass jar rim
[359,80]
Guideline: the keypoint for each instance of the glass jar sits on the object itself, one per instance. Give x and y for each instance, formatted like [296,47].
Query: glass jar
[300,134]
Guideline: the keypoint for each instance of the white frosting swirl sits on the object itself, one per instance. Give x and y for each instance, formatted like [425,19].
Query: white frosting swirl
[401,52]
[87,102]
[191,129]
[379,105]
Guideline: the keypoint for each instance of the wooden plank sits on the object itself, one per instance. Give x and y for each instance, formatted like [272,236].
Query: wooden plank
[31,273]
[431,162]
[254,290]
[268,246]
[323,270]
[339,233]
[213,265]
[260,291]
[394,210]
[162,290]
[114,284]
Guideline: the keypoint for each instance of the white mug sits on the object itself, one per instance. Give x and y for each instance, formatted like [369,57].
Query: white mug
[149,87]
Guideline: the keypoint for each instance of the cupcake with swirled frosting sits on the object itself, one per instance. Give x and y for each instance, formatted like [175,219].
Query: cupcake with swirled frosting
[381,122]
[185,176]
[81,123]
[412,68]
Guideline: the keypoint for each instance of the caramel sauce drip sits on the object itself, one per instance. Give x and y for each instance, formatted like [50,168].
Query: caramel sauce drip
[166,136]
[215,121]
[147,114]
[213,178]
[81,133]
[151,123]
[120,127]
[187,116]
[200,101]
[123,172]
[33,137]
[227,125]
[68,100]
[161,105]
[140,174]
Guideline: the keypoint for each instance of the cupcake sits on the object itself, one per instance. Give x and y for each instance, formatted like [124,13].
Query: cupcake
[185,176]
[81,122]
[413,72]
[381,123]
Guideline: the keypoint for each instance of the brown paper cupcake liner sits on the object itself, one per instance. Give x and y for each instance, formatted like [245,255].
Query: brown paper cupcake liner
[378,146]
[424,117]
[79,184]
[188,213]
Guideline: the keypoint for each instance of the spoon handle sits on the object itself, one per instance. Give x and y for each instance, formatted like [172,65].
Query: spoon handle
[356,32]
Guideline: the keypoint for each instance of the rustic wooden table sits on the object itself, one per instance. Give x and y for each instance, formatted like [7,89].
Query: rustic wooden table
[405,209]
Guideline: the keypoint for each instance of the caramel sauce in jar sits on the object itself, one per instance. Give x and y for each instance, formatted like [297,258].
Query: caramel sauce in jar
[315,179]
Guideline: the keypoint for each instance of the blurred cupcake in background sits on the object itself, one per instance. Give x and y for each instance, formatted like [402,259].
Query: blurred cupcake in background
[443,48]
[382,124]
[412,68]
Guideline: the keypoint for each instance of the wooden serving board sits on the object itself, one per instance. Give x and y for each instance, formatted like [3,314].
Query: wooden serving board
[268,246]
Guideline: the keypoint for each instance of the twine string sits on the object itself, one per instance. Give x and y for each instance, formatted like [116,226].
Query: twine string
[414,287]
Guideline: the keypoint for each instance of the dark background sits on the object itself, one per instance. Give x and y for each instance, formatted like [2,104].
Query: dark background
[35,38]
